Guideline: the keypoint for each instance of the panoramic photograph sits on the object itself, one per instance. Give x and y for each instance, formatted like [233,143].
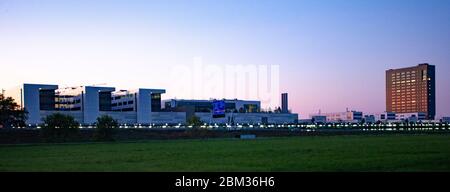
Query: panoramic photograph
[224,86]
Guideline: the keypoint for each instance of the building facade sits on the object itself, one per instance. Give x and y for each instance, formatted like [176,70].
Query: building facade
[411,90]
[87,103]
[133,107]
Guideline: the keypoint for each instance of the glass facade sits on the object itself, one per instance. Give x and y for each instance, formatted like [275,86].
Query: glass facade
[251,108]
[104,101]
[47,100]
[68,103]
[156,102]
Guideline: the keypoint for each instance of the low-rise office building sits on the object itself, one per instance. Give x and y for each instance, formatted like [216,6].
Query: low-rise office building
[400,117]
[369,119]
[236,111]
[87,103]
[231,105]
[446,119]
[411,117]
[384,117]
[318,119]
[338,117]
[249,118]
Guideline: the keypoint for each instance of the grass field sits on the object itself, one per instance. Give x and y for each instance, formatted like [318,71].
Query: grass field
[319,153]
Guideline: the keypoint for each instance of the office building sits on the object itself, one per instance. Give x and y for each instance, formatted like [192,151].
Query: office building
[87,103]
[411,90]
[446,119]
[338,117]
[411,117]
[318,119]
[236,111]
[369,119]
[231,105]
[385,117]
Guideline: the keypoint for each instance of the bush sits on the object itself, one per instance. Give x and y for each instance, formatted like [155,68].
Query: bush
[105,128]
[59,128]
[194,121]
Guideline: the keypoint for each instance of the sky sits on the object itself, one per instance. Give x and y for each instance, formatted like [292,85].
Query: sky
[331,54]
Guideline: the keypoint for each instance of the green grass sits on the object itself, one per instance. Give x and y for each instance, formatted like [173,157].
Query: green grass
[320,153]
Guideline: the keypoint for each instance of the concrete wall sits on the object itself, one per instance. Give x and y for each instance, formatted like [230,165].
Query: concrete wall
[168,117]
[31,101]
[144,105]
[77,115]
[130,117]
[91,105]
[126,117]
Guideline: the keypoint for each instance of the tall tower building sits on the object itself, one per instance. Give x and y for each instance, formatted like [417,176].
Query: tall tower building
[284,103]
[411,90]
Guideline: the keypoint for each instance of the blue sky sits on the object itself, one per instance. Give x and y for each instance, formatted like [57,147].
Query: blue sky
[332,53]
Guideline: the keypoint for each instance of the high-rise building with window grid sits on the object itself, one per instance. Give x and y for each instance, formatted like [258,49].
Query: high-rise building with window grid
[411,90]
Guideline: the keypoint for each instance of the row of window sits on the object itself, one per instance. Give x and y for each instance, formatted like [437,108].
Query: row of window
[400,101]
[409,106]
[122,96]
[122,103]
[68,101]
[402,81]
[404,73]
[399,96]
[403,91]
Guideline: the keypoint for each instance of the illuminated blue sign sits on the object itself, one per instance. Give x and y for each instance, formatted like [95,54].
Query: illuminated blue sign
[218,108]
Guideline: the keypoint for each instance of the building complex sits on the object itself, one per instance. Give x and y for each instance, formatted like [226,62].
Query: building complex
[410,96]
[140,106]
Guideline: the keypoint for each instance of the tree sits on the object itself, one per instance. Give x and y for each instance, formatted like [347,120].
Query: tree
[105,128]
[59,127]
[363,120]
[277,110]
[10,113]
[194,121]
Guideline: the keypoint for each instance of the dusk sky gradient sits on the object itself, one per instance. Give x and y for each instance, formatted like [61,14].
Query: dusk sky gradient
[332,53]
